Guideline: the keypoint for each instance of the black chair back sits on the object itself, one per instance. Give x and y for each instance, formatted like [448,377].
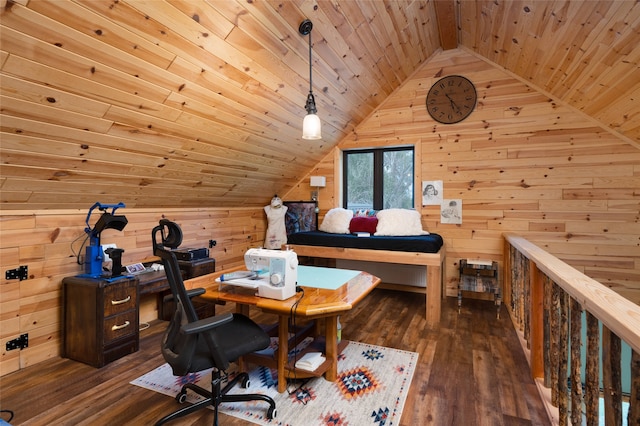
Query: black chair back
[181,350]
[191,344]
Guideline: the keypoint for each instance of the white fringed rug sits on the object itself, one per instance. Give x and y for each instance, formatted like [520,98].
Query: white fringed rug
[371,389]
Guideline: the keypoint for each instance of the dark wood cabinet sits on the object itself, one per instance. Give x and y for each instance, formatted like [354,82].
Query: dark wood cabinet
[100,318]
[101,315]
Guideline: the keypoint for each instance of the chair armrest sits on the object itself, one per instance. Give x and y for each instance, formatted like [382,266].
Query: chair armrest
[191,293]
[207,324]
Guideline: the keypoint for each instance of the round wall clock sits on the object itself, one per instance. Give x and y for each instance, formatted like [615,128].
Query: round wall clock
[451,99]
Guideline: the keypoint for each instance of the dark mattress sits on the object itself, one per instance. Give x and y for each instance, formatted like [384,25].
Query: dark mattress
[419,243]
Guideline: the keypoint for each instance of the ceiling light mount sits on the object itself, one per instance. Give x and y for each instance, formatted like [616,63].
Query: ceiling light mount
[305,27]
[311,128]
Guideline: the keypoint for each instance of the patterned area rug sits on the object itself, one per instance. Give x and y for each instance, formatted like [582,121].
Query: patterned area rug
[371,389]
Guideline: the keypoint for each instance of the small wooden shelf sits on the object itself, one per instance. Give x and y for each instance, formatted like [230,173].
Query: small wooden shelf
[318,345]
[270,359]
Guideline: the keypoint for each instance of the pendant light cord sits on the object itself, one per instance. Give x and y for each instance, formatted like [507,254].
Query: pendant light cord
[305,29]
[310,66]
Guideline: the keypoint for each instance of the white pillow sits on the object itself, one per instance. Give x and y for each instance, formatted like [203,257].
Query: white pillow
[336,221]
[396,222]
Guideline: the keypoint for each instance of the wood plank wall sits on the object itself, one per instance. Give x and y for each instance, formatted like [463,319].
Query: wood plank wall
[47,241]
[521,163]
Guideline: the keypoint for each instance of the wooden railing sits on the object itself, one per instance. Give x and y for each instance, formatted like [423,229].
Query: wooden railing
[546,299]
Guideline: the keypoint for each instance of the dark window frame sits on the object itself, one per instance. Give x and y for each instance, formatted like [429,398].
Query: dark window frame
[378,176]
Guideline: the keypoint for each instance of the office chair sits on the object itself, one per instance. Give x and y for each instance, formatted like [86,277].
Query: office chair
[190,345]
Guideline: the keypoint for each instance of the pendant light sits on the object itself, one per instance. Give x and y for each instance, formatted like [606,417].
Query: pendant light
[311,123]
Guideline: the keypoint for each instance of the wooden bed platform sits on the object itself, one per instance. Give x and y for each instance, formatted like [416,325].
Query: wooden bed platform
[434,262]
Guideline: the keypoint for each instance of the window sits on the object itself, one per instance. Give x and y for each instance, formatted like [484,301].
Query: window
[378,178]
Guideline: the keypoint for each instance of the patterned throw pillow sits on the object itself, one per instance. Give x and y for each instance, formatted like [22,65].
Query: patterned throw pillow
[364,213]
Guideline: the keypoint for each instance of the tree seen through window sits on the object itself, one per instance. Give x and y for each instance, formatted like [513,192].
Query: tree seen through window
[379,178]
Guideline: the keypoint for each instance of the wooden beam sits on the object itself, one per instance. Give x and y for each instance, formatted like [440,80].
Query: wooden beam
[447,23]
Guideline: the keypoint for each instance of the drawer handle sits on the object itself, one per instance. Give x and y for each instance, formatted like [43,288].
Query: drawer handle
[120,302]
[120,327]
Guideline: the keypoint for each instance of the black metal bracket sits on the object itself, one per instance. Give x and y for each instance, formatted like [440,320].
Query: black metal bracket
[19,343]
[20,273]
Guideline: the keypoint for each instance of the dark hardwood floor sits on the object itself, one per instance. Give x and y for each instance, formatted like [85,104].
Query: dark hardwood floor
[472,371]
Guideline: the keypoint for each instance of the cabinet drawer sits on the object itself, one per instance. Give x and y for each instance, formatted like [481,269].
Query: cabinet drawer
[120,297]
[121,325]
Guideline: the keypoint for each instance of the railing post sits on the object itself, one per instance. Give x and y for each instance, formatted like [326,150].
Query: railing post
[547,332]
[611,379]
[526,297]
[554,326]
[537,322]
[522,307]
[634,399]
[592,369]
[507,276]
[516,294]
[576,347]
[563,350]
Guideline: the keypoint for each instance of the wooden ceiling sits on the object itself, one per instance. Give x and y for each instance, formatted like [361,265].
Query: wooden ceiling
[173,103]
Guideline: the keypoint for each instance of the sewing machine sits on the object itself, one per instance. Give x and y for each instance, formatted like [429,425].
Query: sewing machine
[273,272]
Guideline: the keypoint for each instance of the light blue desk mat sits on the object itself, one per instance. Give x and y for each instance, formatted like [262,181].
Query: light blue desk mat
[326,278]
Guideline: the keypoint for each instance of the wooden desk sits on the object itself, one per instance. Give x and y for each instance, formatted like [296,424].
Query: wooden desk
[434,263]
[316,303]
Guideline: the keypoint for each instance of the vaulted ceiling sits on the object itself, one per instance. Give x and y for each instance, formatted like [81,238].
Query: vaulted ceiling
[202,101]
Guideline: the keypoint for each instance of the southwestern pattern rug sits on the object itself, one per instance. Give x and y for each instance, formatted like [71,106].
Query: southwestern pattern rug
[371,389]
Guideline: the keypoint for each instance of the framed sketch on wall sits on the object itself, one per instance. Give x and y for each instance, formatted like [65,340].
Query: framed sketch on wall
[301,216]
[431,192]
[451,211]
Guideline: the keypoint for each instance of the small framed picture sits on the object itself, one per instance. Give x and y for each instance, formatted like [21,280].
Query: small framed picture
[451,211]
[301,216]
[136,267]
[431,192]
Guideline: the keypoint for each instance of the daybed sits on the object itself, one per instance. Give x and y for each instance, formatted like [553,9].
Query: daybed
[422,249]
